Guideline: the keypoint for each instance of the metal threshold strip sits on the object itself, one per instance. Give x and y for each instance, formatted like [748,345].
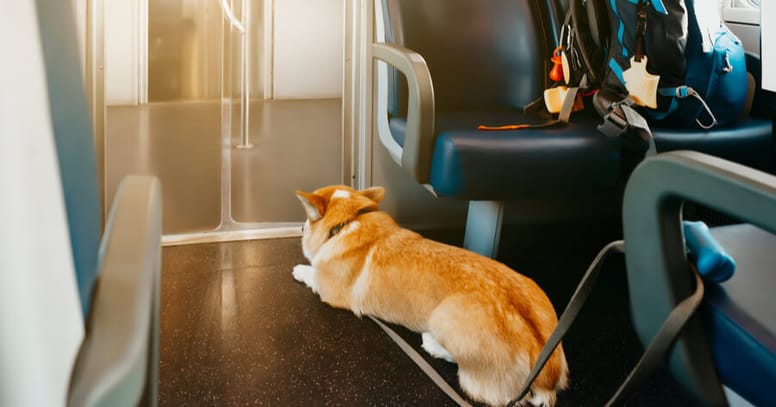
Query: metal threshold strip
[247,231]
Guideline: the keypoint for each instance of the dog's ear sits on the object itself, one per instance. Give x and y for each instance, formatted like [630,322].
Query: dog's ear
[313,204]
[376,194]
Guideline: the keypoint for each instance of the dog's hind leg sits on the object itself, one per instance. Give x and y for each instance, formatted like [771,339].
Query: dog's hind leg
[434,349]
[490,369]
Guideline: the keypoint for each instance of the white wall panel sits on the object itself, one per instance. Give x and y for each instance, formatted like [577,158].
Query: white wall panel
[308,49]
[745,23]
[121,46]
[79,14]
[768,53]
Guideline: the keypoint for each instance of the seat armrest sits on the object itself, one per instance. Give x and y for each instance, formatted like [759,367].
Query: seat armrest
[415,156]
[118,360]
[658,277]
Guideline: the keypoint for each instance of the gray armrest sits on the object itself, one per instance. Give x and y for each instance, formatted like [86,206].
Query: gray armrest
[419,140]
[118,360]
[654,245]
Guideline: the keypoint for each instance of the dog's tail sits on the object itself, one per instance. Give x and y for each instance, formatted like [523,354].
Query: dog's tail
[553,378]
[555,374]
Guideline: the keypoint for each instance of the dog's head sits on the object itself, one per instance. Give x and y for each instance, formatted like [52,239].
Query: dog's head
[332,210]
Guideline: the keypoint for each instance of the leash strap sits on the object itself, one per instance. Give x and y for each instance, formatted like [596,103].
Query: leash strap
[663,340]
[569,315]
[652,357]
[422,364]
[657,348]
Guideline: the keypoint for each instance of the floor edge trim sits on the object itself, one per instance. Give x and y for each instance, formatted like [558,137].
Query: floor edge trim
[271,232]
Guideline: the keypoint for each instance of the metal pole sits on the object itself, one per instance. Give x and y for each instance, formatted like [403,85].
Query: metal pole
[95,88]
[245,77]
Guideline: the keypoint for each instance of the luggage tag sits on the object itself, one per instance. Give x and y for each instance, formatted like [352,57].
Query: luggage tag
[561,71]
[641,85]
[554,97]
[566,66]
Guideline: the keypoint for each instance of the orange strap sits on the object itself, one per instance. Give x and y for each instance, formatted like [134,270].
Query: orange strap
[507,127]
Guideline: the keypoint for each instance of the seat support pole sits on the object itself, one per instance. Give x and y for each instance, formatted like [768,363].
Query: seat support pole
[483,227]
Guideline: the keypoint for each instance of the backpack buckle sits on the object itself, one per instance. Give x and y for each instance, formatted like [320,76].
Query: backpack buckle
[614,121]
[613,125]
[622,120]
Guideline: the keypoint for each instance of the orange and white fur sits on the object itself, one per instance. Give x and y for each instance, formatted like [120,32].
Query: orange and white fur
[473,310]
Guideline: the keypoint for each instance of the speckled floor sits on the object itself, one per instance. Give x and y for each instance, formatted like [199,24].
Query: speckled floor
[238,330]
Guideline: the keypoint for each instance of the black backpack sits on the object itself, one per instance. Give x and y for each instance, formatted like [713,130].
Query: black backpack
[700,63]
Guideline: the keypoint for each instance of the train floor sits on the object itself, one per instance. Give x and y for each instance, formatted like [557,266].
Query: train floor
[238,330]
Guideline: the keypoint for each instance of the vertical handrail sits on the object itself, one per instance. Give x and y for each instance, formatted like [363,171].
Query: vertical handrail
[245,79]
[230,15]
[95,88]
[244,66]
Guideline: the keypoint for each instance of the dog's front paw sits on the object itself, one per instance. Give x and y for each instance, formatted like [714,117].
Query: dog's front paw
[305,274]
[300,271]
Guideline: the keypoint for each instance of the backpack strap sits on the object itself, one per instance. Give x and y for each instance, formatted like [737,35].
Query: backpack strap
[584,72]
[621,120]
[563,116]
[681,92]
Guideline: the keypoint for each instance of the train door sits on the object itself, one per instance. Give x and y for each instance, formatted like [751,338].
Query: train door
[233,104]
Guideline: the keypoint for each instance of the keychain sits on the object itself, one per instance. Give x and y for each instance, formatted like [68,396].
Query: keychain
[641,84]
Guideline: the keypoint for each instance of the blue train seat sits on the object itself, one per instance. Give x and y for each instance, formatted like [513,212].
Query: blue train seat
[457,64]
[732,340]
[80,305]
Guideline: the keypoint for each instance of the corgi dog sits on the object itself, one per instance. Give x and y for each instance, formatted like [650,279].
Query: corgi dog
[470,309]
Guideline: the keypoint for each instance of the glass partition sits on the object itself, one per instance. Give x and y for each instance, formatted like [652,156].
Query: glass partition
[236,118]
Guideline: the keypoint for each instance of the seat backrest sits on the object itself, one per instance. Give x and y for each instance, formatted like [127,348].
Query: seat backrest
[74,139]
[482,54]
[41,319]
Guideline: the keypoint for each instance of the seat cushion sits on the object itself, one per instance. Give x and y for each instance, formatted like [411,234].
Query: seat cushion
[504,165]
[572,159]
[749,142]
[739,314]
